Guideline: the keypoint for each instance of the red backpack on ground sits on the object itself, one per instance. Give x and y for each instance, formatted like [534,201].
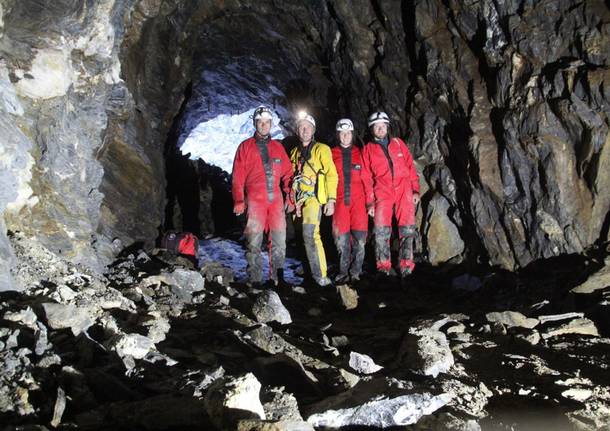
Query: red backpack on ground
[184,243]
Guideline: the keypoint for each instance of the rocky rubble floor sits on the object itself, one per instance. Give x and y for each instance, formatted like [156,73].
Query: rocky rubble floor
[156,344]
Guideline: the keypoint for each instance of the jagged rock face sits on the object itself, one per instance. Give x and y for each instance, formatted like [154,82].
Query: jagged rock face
[504,106]
[507,108]
[61,63]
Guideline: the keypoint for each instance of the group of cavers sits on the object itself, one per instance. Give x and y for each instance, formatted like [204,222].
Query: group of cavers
[346,182]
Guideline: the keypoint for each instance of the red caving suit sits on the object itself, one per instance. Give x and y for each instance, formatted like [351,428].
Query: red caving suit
[394,181]
[259,166]
[350,221]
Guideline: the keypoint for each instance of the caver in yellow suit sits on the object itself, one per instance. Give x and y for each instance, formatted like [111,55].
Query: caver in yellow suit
[314,185]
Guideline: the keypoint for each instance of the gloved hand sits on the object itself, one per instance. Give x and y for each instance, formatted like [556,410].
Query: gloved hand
[329,208]
[239,208]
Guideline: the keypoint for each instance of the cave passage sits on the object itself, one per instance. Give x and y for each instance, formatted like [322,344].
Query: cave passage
[239,63]
[112,111]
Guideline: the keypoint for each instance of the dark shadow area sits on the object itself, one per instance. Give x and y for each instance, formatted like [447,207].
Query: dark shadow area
[130,249]
[182,191]
[216,182]
[182,209]
[518,413]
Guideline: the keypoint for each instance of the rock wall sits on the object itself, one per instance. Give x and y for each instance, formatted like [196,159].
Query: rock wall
[87,121]
[58,66]
[505,107]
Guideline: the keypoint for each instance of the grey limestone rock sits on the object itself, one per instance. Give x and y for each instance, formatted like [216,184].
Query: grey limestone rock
[512,319]
[427,351]
[232,398]
[268,307]
[381,413]
[60,316]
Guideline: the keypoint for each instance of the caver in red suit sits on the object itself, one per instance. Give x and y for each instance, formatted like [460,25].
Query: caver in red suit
[350,221]
[393,191]
[260,164]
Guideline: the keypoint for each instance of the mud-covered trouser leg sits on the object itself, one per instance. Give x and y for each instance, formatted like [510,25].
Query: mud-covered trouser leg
[341,228]
[342,241]
[277,254]
[357,252]
[312,212]
[276,223]
[405,216]
[383,230]
[383,255]
[359,226]
[407,240]
[254,240]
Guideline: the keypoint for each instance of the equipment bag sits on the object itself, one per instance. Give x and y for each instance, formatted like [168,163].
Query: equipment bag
[184,243]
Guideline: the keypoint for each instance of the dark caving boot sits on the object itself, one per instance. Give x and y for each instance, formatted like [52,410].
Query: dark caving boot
[278,281]
[408,234]
[362,282]
[343,248]
[341,279]
[405,273]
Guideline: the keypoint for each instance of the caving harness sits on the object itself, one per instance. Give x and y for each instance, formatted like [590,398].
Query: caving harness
[298,196]
[261,144]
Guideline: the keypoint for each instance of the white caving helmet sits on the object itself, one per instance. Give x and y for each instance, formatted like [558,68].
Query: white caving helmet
[304,116]
[378,117]
[262,113]
[344,124]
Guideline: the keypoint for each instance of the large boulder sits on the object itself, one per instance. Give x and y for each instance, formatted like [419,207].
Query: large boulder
[233,398]
[60,316]
[378,403]
[427,351]
[442,235]
[135,345]
[512,319]
[268,307]
[363,364]
[596,281]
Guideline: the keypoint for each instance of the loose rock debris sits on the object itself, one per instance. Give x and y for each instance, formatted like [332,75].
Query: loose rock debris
[154,344]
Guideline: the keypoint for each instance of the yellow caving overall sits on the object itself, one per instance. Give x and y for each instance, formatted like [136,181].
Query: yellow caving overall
[315,183]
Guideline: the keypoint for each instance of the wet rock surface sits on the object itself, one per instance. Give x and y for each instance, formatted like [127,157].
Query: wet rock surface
[164,349]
